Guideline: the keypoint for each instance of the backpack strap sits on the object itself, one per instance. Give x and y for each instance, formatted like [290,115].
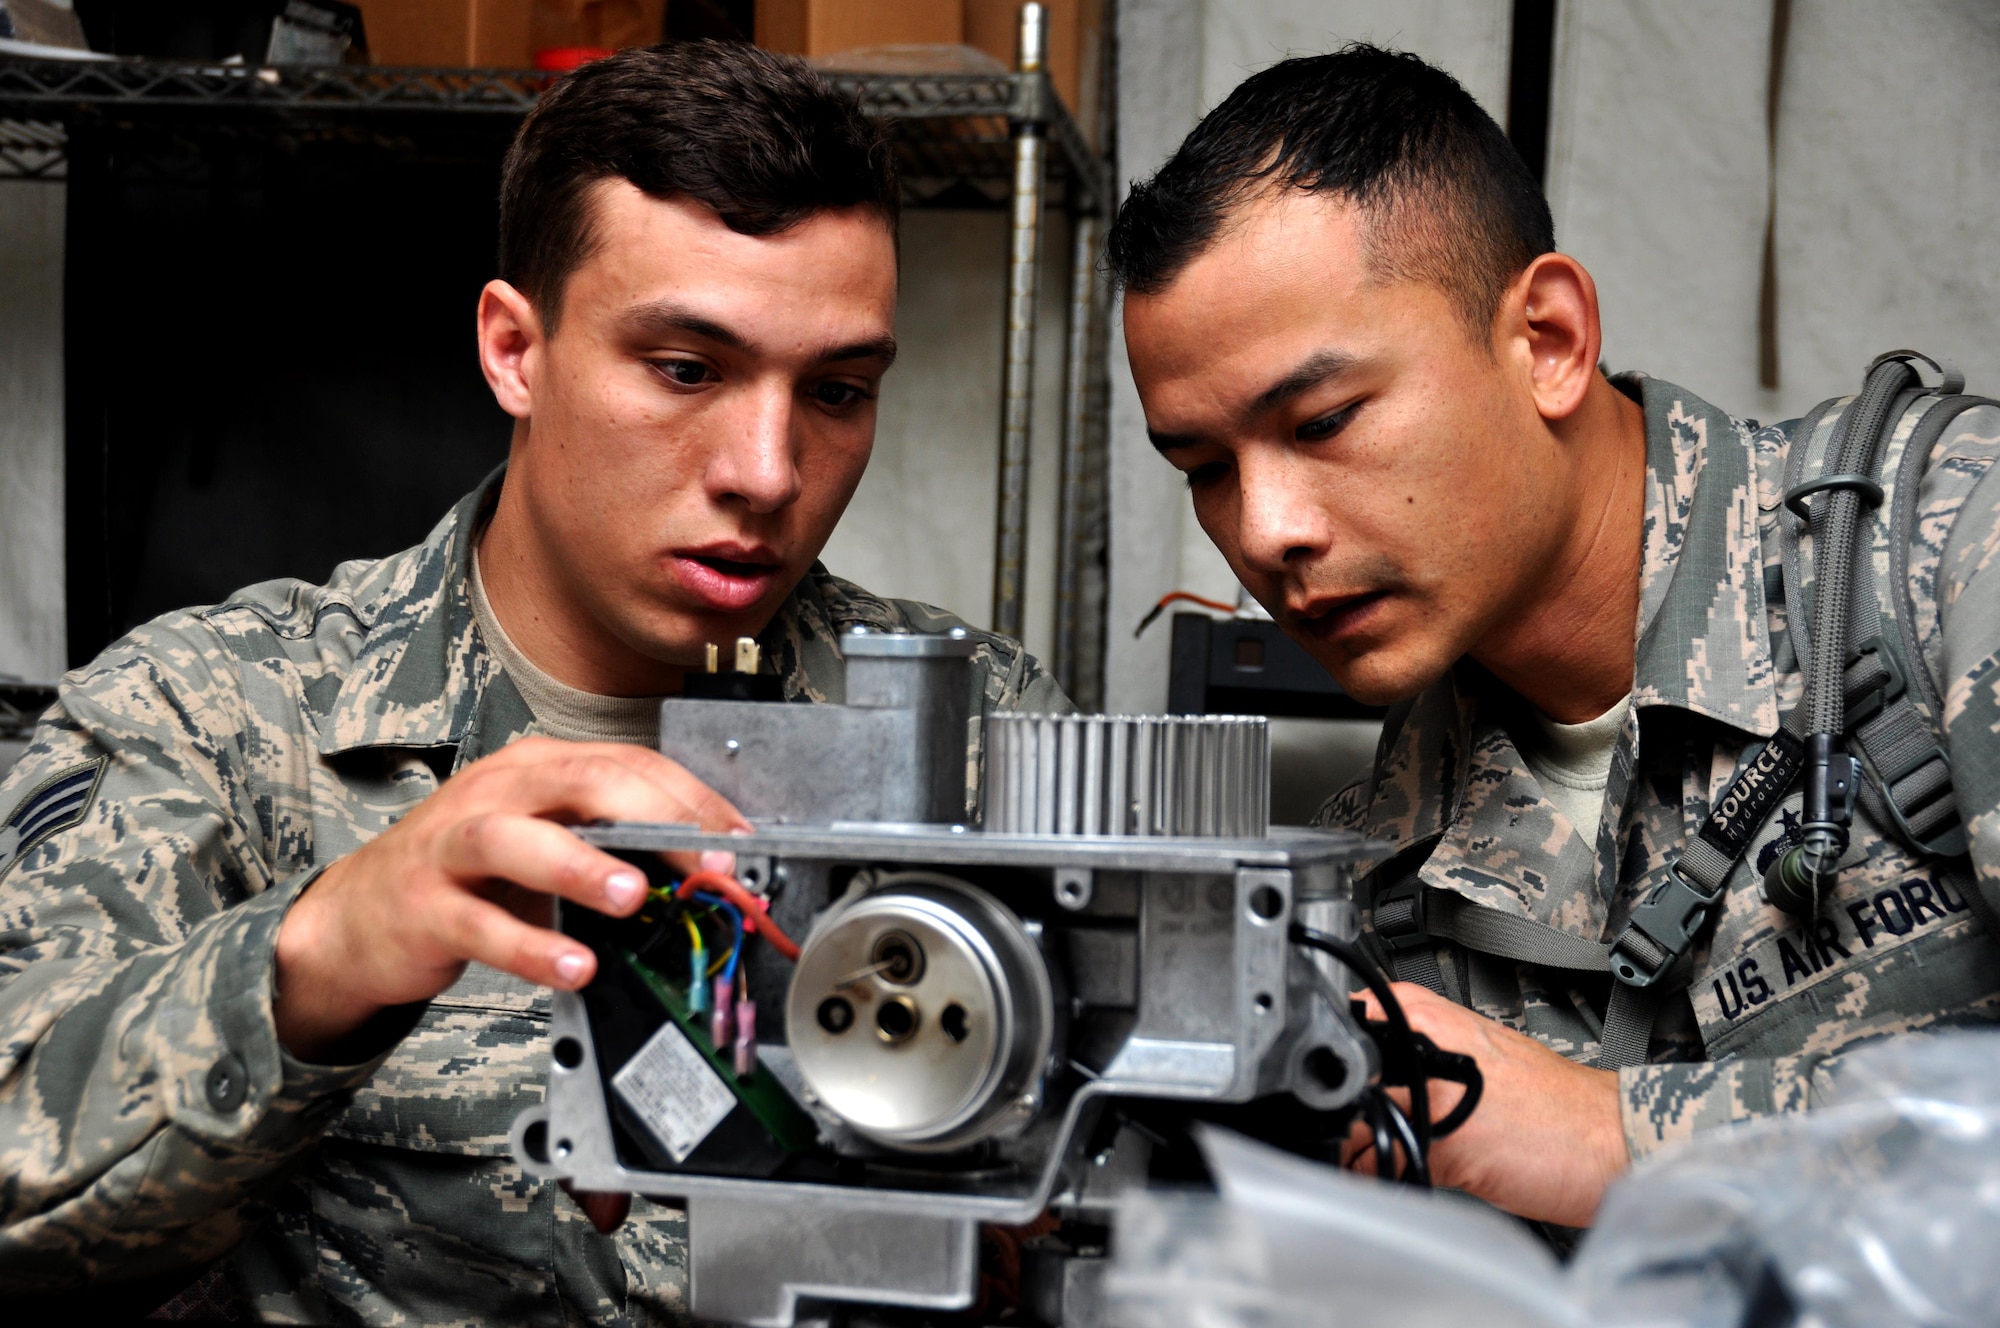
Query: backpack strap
[1409,919]
[1899,731]
[1893,707]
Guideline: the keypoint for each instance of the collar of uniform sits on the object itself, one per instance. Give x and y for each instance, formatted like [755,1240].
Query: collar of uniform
[1422,767]
[802,644]
[1704,641]
[423,678]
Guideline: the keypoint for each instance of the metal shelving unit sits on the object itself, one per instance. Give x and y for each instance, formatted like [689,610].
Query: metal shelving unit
[962,141]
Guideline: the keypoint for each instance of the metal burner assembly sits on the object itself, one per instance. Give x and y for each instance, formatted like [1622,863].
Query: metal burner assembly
[982,1020]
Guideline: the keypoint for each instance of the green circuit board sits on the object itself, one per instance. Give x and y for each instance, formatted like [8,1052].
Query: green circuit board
[760,1091]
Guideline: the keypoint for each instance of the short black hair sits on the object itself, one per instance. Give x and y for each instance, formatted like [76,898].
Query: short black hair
[763,140]
[1448,199]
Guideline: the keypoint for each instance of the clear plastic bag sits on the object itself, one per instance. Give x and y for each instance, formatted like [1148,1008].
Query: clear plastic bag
[1291,1242]
[1877,1209]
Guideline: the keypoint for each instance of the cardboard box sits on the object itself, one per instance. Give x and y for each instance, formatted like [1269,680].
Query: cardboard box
[457,34]
[815,28]
[609,25]
[823,27]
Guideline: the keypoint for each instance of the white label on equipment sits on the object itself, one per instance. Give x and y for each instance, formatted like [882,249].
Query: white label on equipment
[672,1087]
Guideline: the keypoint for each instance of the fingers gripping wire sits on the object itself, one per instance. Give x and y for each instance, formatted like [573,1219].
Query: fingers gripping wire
[1409,1060]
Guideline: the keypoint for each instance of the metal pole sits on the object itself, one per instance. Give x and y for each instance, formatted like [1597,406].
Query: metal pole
[1073,516]
[1018,386]
[1092,573]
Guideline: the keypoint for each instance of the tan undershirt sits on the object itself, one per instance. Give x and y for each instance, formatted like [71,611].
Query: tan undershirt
[1572,762]
[563,711]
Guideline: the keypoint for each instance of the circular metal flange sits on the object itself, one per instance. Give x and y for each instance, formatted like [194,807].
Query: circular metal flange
[921,1013]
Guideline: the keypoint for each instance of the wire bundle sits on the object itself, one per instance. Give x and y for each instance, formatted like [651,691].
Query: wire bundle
[719,987]
[1409,1061]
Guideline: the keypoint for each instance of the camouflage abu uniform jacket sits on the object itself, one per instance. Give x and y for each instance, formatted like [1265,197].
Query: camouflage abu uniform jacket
[177,798]
[1768,998]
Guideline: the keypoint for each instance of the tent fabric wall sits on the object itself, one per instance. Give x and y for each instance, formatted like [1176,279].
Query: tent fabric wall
[33,634]
[1178,58]
[1888,180]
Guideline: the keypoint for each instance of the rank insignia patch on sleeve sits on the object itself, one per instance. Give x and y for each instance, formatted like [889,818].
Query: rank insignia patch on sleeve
[52,806]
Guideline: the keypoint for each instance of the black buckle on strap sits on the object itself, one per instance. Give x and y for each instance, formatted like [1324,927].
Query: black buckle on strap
[1662,927]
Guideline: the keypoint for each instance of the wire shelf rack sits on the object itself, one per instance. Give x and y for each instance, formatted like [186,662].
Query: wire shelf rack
[953,132]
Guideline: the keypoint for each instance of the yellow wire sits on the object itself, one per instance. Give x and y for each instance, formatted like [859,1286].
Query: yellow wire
[694,936]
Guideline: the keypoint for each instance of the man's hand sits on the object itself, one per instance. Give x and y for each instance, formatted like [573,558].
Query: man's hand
[1545,1139]
[470,874]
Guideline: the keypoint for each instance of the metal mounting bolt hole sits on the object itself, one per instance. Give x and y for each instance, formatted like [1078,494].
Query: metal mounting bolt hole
[1263,1002]
[1325,1069]
[954,1022]
[564,1147]
[836,1015]
[1266,903]
[896,1019]
[569,1053]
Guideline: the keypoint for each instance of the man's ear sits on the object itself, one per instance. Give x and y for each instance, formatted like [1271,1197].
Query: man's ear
[1550,318]
[510,347]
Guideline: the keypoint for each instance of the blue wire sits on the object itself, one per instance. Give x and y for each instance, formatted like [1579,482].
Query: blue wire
[736,919]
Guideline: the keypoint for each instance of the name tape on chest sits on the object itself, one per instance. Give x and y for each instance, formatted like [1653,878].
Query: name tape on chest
[1880,917]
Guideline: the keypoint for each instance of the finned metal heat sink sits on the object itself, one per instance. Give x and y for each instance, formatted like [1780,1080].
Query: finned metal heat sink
[1168,775]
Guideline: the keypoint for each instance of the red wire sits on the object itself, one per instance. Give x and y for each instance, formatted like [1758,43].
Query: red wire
[1152,614]
[755,919]
[1193,598]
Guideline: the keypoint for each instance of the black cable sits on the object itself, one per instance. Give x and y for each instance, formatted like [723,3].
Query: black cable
[1405,1063]
[1378,1123]
[1418,1171]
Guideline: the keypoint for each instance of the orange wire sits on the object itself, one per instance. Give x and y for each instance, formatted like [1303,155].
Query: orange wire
[1152,614]
[755,919]
[1193,598]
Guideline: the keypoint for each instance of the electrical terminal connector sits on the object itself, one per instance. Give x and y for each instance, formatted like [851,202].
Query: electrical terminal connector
[697,969]
[722,1026]
[746,1035]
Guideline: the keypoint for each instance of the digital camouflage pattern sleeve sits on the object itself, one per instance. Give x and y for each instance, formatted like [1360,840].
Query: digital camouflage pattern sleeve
[144,1099]
[1968,600]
